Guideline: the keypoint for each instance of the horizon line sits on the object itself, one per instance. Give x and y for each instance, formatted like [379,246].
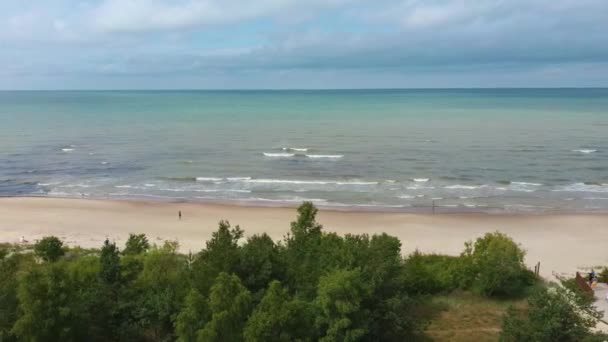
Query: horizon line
[300,89]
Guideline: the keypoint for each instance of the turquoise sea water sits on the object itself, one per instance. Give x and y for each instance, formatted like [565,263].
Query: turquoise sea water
[500,149]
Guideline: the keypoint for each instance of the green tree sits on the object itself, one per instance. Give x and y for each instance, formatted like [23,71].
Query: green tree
[339,298]
[303,251]
[553,314]
[220,255]
[494,265]
[9,269]
[192,317]
[230,305]
[162,286]
[259,263]
[136,244]
[279,318]
[50,248]
[110,263]
[51,306]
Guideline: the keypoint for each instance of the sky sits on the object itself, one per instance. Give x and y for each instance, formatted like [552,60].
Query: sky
[302,44]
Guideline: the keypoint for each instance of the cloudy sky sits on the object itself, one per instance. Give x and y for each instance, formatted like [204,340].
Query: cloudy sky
[217,44]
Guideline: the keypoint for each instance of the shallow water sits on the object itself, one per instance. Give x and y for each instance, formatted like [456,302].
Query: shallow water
[511,149]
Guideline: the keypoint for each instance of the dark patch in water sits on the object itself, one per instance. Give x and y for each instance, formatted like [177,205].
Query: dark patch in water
[12,187]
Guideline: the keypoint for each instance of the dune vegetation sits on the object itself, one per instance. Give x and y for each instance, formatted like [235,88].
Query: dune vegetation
[310,286]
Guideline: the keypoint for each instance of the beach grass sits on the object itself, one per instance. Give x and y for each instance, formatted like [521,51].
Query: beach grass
[463,316]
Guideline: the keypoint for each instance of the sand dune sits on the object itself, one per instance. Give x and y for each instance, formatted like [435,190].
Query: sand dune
[562,243]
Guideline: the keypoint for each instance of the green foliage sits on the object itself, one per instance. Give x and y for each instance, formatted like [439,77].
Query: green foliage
[230,305]
[303,252]
[136,244]
[553,314]
[259,262]
[430,273]
[311,286]
[339,300]
[52,306]
[110,263]
[192,318]
[220,255]
[50,248]
[9,268]
[494,265]
[582,297]
[278,317]
[162,289]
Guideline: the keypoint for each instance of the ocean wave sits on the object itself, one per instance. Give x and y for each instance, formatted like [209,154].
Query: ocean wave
[465,187]
[208,179]
[595,198]
[67,149]
[418,187]
[309,182]
[325,156]
[292,199]
[278,155]
[236,179]
[526,184]
[405,196]
[298,149]
[124,186]
[586,151]
[421,180]
[206,190]
[582,187]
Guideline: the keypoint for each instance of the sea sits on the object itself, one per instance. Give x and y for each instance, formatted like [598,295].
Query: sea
[490,150]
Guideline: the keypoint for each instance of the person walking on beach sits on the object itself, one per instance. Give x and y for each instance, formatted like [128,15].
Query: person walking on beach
[179,214]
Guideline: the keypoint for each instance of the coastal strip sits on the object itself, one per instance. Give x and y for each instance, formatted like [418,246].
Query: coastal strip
[561,242]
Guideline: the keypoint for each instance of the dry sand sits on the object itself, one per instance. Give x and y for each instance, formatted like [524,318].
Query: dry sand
[562,243]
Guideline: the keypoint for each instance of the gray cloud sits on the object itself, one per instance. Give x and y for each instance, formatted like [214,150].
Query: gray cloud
[391,39]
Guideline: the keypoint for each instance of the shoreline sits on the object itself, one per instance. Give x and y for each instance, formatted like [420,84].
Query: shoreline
[563,243]
[417,210]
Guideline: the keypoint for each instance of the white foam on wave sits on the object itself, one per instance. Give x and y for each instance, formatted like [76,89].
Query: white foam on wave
[205,190]
[465,187]
[582,187]
[67,149]
[149,184]
[104,163]
[596,198]
[124,186]
[236,179]
[278,155]
[208,179]
[421,180]
[405,196]
[418,187]
[298,149]
[325,156]
[526,184]
[292,199]
[309,182]
[586,151]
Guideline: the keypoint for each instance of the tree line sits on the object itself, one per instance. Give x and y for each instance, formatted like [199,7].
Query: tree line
[310,286]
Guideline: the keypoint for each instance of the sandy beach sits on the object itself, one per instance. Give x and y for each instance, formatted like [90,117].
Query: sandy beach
[562,243]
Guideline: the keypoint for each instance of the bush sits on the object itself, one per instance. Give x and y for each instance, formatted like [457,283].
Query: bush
[50,248]
[494,265]
[136,244]
[553,314]
[430,273]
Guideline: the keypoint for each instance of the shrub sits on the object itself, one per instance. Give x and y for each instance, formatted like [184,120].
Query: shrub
[553,314]
[494,265]
[50,248]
